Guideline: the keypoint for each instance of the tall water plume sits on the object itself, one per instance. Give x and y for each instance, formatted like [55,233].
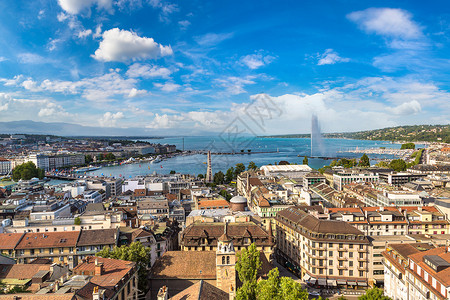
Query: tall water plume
[317,146]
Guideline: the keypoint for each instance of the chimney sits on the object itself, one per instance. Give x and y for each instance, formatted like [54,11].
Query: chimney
[56,285]
[98,268]
[163,293]
[98,294]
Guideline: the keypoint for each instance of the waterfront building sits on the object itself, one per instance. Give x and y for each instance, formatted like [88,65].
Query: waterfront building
[324,253]
[290,171]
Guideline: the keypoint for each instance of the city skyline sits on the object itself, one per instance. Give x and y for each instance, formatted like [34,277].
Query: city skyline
[179,68]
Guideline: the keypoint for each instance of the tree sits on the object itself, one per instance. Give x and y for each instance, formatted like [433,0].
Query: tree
[26,171]
[252,166]
[229,175]
[397,165]
[135,252]
[239,168]
[364,161]
[77,221]
[173,172]
[374,294]
[200,176]
[305,160]
[382,164]
[408,146]
[280,288]
[88,159]
[219,177]
[225,194]
[248,264]
[110,156]
[283,163]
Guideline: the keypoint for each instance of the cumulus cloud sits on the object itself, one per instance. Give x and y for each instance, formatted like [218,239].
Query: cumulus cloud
[76,6]
[135,92]
[330,57]
[407,108]
[124,45]
[168,86]
[255,61]
[390,22]
[147,71]
[110,119]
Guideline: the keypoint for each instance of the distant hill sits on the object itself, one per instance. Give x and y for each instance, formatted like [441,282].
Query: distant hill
[414,133]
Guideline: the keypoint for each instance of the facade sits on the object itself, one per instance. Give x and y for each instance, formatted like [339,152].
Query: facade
[291,171]
[399,178]
[313,178]
[343,178]
[5,166]
[323,253]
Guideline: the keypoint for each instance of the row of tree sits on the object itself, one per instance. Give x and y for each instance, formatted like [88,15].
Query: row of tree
[26,171]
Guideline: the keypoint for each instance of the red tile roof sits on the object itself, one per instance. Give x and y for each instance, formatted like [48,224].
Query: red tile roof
[9,241]
[33,240]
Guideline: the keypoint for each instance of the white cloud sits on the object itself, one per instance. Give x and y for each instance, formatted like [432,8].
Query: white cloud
[135,92]
[123,45]
[212,39]
[98,31]
[330,57]
[32,58]
[3,58]
[76,6]
[12,82]
[166,9]
[110,119]
[407,108]
[147,71]
[168,86]
[235,85]
[184,24]
[255,61]
[41,14]
[31,85]
[390,22]
[84,33]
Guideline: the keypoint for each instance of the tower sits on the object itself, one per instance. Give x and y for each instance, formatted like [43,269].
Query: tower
[226,264]
[208,169]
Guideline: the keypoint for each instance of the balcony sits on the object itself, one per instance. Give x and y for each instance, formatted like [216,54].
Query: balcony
[342,258]
[361,250]
[342,267]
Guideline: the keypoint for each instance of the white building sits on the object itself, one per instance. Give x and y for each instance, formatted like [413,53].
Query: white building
[291,171]
[5,166]
[342,178]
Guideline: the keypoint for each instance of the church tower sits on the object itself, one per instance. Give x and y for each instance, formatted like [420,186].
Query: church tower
[226,264]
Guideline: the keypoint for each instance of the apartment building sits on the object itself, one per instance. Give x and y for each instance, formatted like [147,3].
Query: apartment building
[342,178]
[324,253]
[385,221]
[417,273]
[5,166]
[399,178]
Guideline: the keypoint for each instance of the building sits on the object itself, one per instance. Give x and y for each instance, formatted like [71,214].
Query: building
[399,178]
[107,279]
[200,236]
[342,178]
[395,264]
[313,178]
[209,177]
[417,273]
[154,206]
[291,171]
[5,166]
[324,253]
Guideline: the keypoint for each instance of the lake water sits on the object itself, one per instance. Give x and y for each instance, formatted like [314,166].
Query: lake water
[276,149]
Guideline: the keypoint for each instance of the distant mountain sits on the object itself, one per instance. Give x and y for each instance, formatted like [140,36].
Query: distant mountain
[414,133]
[69,129]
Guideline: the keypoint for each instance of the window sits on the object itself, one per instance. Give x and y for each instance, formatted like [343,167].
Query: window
[330,262]
[361,273]
[223,260]
[341,272]
[350,273]
[350,254]
[51,250]
[330,272]
[228,260]
[330,253]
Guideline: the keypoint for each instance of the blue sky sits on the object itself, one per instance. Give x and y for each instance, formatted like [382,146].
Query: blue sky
[194,66]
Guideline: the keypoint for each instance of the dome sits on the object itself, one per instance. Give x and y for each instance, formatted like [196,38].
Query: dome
[238,199]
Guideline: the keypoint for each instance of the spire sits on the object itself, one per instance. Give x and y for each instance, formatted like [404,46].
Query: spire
[224,237]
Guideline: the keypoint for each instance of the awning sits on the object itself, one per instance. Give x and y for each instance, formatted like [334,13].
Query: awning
[312,280]
[331,282]
[306,277]
[342,282]
[362,283]
[351,282]
[322,281]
